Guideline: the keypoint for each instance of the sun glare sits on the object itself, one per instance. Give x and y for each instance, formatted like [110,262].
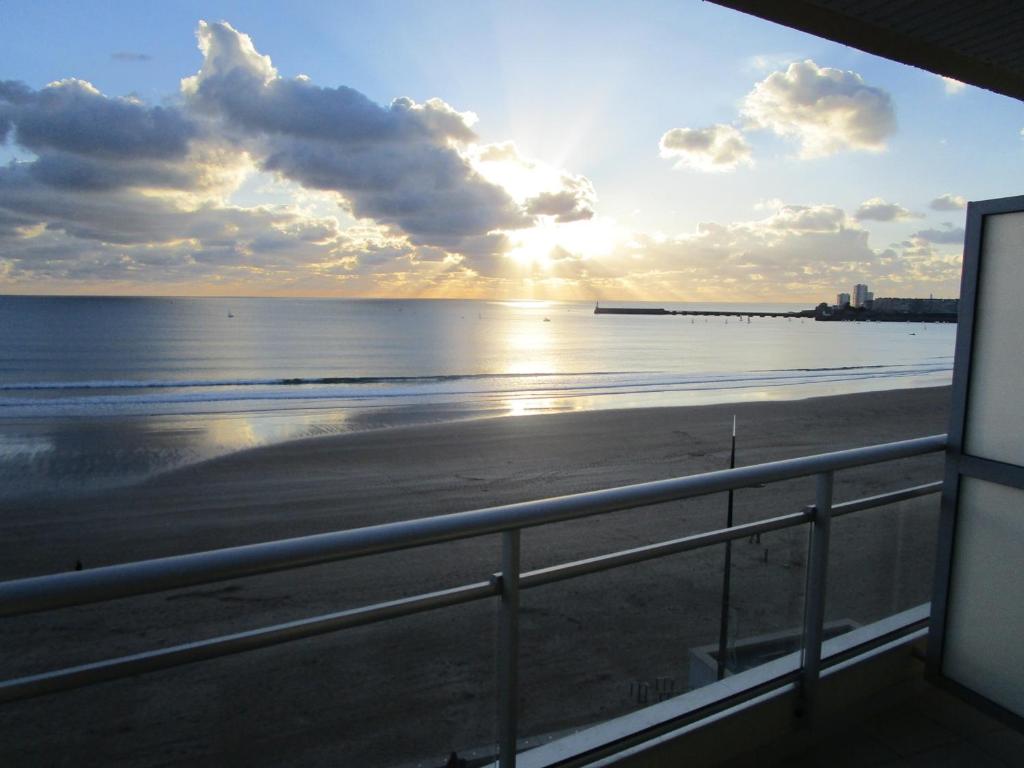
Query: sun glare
[549,242]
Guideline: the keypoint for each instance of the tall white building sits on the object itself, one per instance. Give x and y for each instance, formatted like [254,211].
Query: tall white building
[860,294]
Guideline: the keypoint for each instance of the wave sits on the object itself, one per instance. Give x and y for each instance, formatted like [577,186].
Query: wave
[363,391]
[862,367]
[288,381]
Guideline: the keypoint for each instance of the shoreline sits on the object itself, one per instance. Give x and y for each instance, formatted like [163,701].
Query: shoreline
[577,440]
[614,413]
[65,457]
[345,698]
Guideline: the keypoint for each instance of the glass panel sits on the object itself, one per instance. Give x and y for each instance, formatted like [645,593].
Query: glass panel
[881,562]
[769,575]
[404,692]
[608,644]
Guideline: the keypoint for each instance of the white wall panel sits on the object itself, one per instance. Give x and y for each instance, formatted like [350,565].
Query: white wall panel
[995,410]
[985,628]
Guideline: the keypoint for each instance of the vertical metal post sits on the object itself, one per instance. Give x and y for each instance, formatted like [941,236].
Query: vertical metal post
[723,624]
[814,612]
[508,651]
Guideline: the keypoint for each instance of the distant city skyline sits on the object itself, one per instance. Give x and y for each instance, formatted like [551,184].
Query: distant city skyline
[662,151]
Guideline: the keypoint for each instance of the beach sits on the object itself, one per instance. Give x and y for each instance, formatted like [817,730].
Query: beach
[411,691]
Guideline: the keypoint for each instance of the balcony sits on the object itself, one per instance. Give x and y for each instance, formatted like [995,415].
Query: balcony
[772,636]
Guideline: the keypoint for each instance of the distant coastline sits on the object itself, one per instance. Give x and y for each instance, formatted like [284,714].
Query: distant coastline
[881,311]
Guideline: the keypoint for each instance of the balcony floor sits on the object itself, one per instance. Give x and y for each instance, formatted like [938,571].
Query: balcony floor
[915,724]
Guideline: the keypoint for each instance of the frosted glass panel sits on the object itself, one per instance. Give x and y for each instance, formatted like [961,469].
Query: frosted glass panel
[995,409]
[984,647]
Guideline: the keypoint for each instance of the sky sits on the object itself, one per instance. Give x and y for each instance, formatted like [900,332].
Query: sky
[575,150]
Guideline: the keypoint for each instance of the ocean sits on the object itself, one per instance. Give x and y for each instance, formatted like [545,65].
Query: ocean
[99,391]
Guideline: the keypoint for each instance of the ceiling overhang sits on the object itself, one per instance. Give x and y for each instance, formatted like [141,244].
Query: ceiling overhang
[979,43]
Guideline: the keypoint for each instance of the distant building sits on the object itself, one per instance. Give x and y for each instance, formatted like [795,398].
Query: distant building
[917,306]
[866,307]
[860,294]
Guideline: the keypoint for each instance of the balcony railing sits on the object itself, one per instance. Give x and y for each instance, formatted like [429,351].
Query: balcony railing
[45,593]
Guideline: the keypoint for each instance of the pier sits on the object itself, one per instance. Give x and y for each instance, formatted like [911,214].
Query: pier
[820,313]
[598,310]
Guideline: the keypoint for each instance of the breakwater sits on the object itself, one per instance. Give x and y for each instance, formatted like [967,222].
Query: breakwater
[697,312]
[821,313]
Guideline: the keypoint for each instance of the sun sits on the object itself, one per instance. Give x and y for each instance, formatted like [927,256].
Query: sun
[547,242]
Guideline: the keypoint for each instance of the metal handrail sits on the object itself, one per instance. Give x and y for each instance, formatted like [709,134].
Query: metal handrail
[35,594]
[42,593]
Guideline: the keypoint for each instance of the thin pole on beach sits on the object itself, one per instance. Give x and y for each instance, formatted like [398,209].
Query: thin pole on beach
[723,626]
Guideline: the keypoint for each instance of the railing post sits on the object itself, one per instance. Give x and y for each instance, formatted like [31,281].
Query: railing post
[508,651]
[814,612]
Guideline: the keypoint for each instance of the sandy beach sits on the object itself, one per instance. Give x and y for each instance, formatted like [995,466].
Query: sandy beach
[409,692]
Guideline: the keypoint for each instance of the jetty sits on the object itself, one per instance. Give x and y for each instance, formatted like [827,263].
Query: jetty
[822,312]
[599,310]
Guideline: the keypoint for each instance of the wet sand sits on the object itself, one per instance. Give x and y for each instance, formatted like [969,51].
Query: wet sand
[411,691]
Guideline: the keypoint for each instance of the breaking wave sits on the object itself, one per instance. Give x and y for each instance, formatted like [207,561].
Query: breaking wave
[159,396]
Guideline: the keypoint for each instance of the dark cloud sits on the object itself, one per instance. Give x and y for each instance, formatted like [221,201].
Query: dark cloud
[14,92]
[947,236]
[11,223]
[72,116]
[877,209]
[396,165]
[573,202]
[86,141]
[122,217]
[69,171]
[116,188]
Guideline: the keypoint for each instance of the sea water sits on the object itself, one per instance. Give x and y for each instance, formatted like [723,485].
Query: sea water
[101,391]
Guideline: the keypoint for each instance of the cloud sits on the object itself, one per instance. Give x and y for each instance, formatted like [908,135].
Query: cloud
[112,183]
[807,218]
[73,116]
[84,140]
[800,250]
[805,252]
[117,235]
[131,56]
[540,189]
[826,110]
[573,202]
[948,202]
[115,192]
[718,147]
[949,235]
[398,165]
[876,209]
[952,86]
